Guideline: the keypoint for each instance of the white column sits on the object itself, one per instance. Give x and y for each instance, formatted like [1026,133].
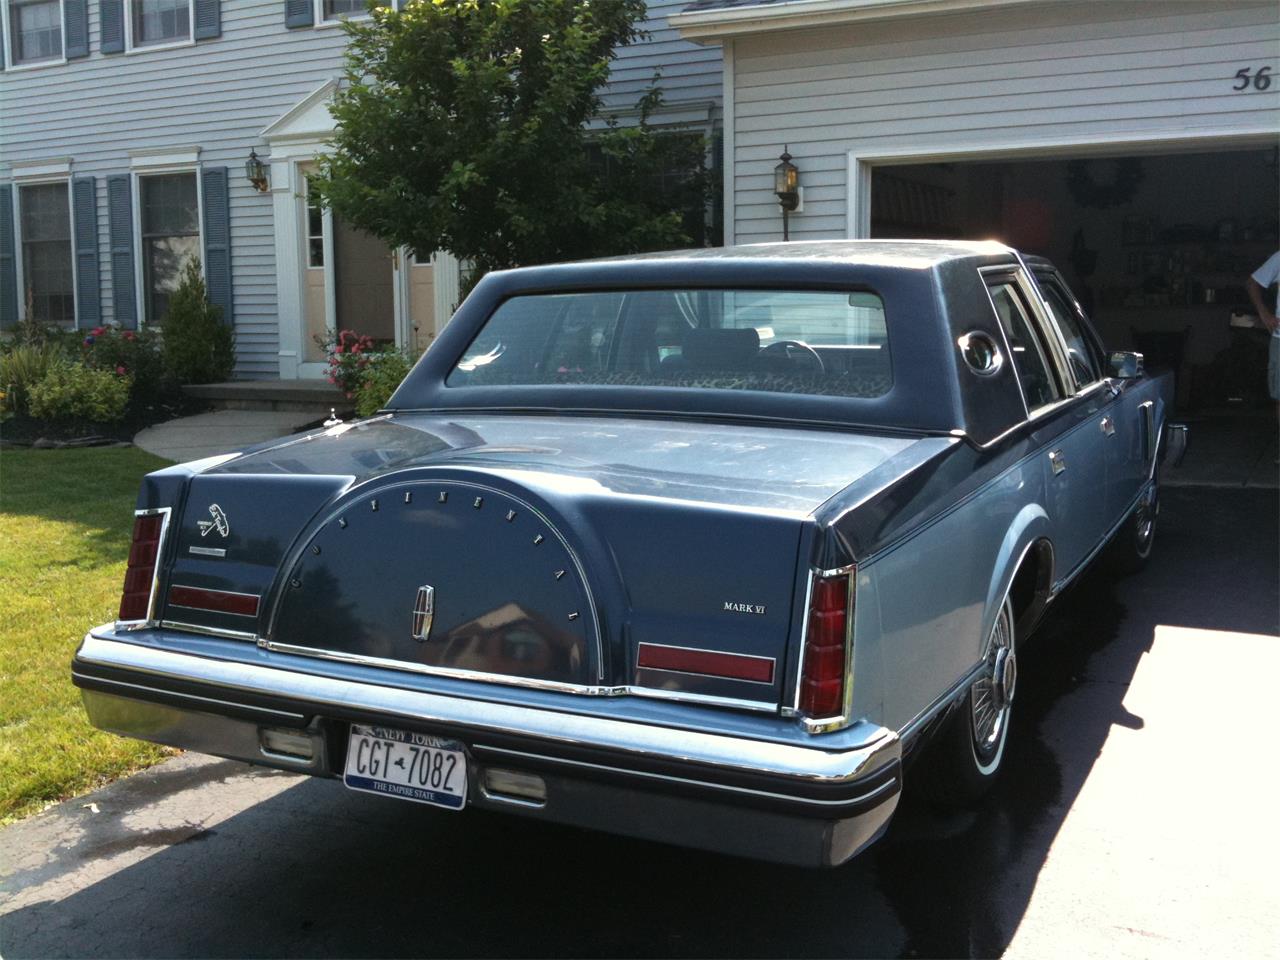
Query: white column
[857,198]
[290,322]
[446,285]
[728,150]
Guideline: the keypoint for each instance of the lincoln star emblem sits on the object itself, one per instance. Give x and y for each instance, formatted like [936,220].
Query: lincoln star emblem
[424,609]
[219,522]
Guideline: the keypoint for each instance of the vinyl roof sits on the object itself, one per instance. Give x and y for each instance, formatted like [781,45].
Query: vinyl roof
[913,253]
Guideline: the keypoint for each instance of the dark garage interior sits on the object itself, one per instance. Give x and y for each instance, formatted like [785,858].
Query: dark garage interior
[1158,248]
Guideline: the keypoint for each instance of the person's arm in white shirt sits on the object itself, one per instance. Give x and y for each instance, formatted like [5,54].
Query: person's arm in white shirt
[1257,291]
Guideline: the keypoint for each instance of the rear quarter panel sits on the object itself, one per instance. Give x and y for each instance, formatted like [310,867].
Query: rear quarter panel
[929,599]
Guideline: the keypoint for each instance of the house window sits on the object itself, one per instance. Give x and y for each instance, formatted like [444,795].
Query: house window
[35,31]
[315,230]
[331,10]
[159,21]
[169,210]
[48,280]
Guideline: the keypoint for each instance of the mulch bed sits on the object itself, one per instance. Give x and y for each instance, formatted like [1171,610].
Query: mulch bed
[23,431]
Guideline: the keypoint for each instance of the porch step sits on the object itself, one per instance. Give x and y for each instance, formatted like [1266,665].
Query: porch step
[309,396]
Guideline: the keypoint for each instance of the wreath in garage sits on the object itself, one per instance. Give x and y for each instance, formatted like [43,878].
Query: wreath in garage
[1088,192]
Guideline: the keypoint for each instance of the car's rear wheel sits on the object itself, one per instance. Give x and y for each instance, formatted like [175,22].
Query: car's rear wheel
[969,751]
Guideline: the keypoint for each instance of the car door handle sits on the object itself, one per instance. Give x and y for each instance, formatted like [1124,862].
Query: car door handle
[1057,461]
[1108,426]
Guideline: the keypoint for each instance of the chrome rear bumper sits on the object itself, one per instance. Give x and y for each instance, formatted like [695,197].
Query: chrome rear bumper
[777,801]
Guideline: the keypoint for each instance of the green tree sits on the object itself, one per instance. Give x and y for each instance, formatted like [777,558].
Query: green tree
[463,126]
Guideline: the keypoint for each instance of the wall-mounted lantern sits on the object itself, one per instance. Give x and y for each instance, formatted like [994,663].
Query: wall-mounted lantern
[786,184]
[255,172]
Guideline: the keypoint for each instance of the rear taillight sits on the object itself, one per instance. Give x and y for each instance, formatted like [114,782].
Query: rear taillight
[825,670]
[144,554]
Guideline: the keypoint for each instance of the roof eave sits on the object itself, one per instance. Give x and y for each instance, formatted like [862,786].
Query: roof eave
[714,25]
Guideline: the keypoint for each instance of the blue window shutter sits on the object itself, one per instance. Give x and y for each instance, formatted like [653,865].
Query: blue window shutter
[75,28]
[299,13]
[8,266]
[111,15]
[120,213]
[217,239]
[84,206]
[208,19]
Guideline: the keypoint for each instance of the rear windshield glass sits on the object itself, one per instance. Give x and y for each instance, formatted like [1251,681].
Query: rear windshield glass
[808,342]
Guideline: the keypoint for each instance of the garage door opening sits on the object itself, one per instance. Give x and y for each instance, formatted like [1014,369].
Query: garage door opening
[1158,247]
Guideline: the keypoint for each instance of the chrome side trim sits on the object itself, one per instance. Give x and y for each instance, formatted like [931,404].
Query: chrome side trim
[887,786]
[191,697]
[166,514]
[225,593]
[790,762]
[408,666]
[207,551]
[222,632]
[655,693]
[532,683]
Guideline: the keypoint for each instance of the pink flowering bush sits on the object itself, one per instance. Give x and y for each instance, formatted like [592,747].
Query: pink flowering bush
[365,370]
[350,354]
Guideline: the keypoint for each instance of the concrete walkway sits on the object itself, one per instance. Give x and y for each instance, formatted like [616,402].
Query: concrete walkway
[222,431]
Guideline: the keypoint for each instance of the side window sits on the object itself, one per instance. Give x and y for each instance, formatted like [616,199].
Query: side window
[1080,349]
[1029,359]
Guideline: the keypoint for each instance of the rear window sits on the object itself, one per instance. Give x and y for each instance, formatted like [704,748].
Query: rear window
[806,342]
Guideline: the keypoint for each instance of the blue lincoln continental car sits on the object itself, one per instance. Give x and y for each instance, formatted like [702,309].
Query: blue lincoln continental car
[700,547]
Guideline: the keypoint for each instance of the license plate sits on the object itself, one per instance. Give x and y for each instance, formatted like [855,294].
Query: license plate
[413,766]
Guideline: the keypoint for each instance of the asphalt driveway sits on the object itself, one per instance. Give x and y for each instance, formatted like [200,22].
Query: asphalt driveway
[1137,818]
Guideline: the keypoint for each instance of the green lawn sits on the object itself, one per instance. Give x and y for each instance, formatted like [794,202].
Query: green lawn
[65,520]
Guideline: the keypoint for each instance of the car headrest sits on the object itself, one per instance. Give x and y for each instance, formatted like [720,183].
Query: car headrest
[721,349]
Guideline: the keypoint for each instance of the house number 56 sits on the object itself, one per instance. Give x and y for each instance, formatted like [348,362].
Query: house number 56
[1259,81]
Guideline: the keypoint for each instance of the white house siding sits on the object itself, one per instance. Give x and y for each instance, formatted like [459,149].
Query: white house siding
[1046,76]
[218,95]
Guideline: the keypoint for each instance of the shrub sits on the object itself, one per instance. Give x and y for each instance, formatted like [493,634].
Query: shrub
[77,391]
[21,368]
[198,346]
[384,372]
[133,353]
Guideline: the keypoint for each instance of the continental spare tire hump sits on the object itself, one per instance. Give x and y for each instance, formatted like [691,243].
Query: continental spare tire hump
[442,575]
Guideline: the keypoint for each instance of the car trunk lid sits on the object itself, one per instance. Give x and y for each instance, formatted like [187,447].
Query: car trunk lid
[589,554]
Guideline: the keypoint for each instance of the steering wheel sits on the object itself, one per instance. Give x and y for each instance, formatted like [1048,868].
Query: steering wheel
[800,350]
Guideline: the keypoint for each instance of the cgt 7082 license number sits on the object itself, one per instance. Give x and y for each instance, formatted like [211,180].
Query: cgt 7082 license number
[412,766]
